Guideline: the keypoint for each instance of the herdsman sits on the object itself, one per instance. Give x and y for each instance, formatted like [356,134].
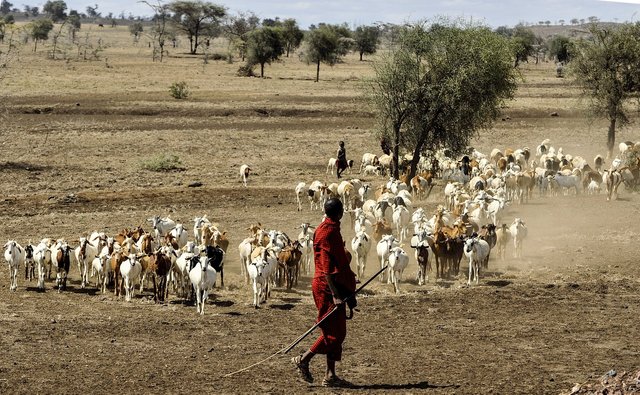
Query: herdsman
[333,282]
[341,159]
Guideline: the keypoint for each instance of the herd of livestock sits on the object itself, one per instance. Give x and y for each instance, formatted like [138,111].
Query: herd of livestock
[477,190]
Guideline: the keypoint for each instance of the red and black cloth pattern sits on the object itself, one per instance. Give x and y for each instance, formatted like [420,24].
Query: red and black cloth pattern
[331,258]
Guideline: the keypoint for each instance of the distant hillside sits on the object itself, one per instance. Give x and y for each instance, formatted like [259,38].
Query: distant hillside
[579,30]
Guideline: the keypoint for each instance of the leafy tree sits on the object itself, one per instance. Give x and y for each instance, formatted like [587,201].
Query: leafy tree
[5,7]
[271,22]
[608,70]
[291,34]
[560,47]
[73,23]
[522,43]
[504,31]
[55,9]
[40,29]
[366,40]
[440,87]
[135,29]
[194,18]
[574,21]
[322,47]
[9,19]
[159,32]
[92,12]
[264,45]
[238,27]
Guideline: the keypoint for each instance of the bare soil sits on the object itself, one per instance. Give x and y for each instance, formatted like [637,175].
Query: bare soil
[564,314]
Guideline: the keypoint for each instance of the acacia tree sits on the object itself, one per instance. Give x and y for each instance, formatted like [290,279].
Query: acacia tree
[238,27]
[324,44]
[40,29]
[560,48]
[55,9]
[440,87]
[264,46]
[159,31]
[522,41]
[194,18]
[366,40]
[291,34]
[608,70]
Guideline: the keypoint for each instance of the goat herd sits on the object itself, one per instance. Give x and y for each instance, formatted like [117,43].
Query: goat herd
[468,223]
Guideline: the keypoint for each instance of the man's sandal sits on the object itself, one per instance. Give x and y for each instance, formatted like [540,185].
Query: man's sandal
[302,368]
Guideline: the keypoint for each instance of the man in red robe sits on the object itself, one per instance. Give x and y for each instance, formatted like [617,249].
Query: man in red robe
[332,283]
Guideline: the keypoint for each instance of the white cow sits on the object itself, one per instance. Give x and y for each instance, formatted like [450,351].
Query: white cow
[300,191]
[401,219]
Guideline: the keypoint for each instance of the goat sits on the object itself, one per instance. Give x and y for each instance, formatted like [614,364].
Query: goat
[180,233]
[368,160]
[84,254]
[130,270]
[305,238]
[612,179]
[161,226]
[422,242]
[244,174]
[29,263]
[401,219]
[299,194]
[42,258]
[215,258]
[259,271]
[383,248]
[289,258]
[488,234]
[61,260]
[477,250]
[15,256]
[203,278]
[518,231]
[502,239]
[360,245]
[398,261]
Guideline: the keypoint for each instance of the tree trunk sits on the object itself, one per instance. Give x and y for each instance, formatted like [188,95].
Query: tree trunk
[191,45]
[396,151]
[261,70]
[287,51]
[611,137]
[414,161]
[35,47]
[361,56]
[318,72]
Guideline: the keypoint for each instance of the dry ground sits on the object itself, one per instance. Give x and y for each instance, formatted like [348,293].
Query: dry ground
[74,135]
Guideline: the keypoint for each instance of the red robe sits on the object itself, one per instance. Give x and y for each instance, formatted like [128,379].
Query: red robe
[330,258]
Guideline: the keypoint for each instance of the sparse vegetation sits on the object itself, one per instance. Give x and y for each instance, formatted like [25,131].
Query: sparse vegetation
[162,163]
[179,90]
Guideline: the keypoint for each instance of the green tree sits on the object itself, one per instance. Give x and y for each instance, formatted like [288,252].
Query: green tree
[322,46]
[92,12]
[607,68]
[194,18]
[135,29]
[159,32]
[264,45]
[73,23]
[366,40]
[560,48]
[522,44]
[292,35]
[5,7]
[55,9]
[40,29]
[442,85]
[238,27]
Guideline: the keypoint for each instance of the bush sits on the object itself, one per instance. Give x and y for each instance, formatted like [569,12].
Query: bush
[162,163]
[246,71]
[179,90]
[218,56]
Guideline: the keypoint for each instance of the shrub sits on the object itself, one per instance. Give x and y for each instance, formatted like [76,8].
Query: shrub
[162,163]
[179,90]
[246,71]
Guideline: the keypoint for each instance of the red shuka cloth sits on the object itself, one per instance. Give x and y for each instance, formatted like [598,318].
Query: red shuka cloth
[330,258]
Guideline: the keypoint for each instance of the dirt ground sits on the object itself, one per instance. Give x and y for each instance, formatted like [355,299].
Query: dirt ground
[566,313]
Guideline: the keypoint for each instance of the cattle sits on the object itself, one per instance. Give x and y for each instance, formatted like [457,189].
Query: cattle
[518,231]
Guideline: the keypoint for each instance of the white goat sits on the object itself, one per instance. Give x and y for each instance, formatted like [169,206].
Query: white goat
[398,261]
[130,270]
[198,223]
[244,174]
[14,255]
[258,271]
[305,238]
[401,219]
[180,234]
[360,245]
[161,226]
[477,250]
[383,248]
[203,278]
[299,194]
[518,231]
